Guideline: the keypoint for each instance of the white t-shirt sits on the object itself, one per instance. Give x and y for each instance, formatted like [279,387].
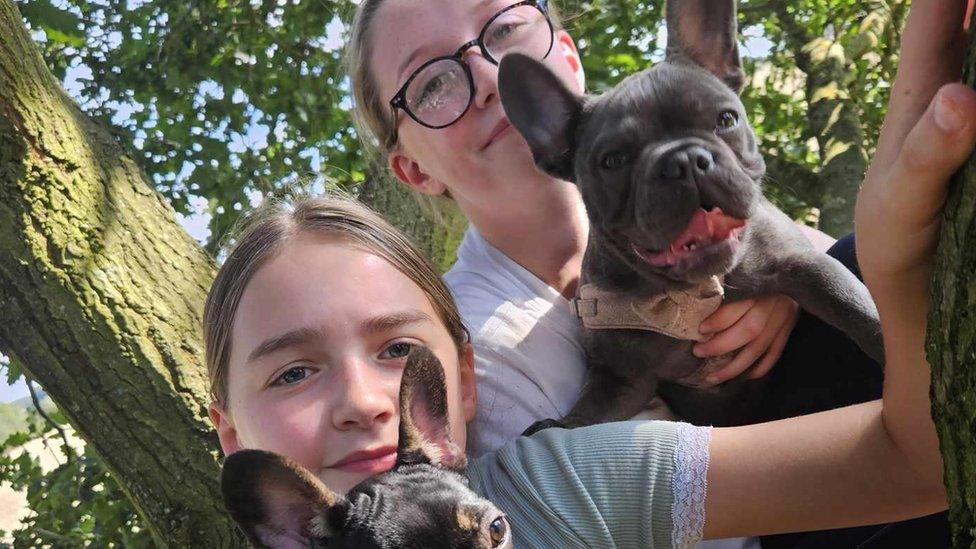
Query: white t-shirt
[529,363]
[528,359]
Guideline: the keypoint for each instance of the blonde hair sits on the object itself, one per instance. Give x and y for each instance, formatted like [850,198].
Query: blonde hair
[274,224]
[372,114]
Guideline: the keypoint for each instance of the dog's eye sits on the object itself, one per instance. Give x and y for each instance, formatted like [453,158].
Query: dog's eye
[498,530]
[614,160]
[727,120]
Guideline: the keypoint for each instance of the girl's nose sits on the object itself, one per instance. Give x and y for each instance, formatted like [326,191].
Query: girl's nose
[365,397]
[485,75]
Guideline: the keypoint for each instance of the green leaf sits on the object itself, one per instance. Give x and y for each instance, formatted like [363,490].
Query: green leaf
[60,25]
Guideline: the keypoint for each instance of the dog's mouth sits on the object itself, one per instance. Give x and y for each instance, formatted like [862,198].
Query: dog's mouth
[707,229]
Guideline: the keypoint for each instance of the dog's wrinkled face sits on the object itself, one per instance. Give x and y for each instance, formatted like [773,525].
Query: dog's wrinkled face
[423,502]
[667,165]
[669,177]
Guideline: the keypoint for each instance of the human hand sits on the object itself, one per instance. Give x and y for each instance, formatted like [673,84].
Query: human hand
[756,328]
[928,132]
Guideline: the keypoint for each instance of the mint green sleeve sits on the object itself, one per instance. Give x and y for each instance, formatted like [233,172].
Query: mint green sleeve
[633,484]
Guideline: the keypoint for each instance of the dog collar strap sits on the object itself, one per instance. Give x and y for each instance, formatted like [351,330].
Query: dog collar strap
[677,314]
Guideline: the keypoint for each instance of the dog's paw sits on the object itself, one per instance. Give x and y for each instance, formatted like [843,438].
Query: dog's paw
[541,425]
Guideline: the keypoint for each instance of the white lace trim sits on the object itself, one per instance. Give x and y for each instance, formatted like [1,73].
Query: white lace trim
[688,485]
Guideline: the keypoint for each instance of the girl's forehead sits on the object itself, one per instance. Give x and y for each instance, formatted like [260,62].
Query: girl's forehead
[406,33]
[314,281]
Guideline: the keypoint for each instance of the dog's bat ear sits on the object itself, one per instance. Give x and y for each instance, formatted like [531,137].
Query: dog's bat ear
[424,426]
[704,32]
[277,502]
[543,110]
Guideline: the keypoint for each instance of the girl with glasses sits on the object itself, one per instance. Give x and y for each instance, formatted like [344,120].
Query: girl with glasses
[424,81]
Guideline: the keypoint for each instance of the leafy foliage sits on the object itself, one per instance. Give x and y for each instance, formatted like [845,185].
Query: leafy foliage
[214,98]
[220,99]
[76,504]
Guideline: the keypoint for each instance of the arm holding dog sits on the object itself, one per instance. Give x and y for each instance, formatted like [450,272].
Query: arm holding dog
[755,329]
[779,259]
[879,458]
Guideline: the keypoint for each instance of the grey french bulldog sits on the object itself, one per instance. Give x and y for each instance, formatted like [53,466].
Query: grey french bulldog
[670,175]
[424,502]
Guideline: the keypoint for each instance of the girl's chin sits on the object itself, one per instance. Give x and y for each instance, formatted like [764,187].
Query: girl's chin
[341,483]
[511,150]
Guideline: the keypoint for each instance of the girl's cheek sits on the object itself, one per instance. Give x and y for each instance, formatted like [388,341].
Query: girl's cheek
[290,431]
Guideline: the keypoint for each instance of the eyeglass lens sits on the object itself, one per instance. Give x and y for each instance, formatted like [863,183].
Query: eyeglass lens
[440,93]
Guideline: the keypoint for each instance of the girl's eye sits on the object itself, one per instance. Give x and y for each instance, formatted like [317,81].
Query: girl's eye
[437,90]
[397,350]
[292,376]
[728,120]
[501,32]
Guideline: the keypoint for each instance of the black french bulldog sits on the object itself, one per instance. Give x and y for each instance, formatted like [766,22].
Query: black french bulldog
[670,174]
[423,502]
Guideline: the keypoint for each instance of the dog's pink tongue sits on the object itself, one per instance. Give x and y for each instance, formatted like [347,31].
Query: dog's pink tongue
[706,228]
[722,225]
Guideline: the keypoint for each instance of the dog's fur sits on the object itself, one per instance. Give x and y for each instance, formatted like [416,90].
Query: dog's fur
[423,502]
[647,157]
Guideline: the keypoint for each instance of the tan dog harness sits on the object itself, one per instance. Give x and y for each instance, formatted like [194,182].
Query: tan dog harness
[677,314]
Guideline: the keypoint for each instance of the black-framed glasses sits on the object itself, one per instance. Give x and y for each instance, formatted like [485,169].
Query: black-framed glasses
[441,91]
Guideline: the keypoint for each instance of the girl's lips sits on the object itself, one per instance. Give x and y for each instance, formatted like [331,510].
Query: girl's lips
[368,462]
[502,129]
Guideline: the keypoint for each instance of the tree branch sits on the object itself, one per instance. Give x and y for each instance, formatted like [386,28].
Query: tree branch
[834,121]
[101,291]
[47,418]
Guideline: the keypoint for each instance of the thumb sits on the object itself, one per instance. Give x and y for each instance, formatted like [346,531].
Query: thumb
[944,136]
[935,148]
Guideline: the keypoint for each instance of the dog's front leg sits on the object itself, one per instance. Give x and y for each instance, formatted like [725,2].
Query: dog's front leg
[605,397]
[826,289]
[608,397]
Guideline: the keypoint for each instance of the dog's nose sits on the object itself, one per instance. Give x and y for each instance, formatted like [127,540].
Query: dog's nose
[695,161]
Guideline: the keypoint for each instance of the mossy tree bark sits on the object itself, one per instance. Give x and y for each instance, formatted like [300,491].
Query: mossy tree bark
[100,298]
[952,344]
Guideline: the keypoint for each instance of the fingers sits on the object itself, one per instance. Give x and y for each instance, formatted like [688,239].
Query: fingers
[775,349]
[934,149]
[932,49]
[933,28]
[725,316]
[776,315]
[735,324]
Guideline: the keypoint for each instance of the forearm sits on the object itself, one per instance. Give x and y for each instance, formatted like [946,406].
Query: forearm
[828,470]
[907,408]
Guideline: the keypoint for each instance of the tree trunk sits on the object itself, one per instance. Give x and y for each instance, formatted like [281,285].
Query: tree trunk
[100,297]
[834,122]
[439,238]
[951,344]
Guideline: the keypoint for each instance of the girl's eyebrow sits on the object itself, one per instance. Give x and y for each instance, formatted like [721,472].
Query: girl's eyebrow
[425,48]
[291,338]
[410,59]
[383,323]
[301,336]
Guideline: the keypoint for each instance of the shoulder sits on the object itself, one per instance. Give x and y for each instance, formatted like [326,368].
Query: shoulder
[618,484]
